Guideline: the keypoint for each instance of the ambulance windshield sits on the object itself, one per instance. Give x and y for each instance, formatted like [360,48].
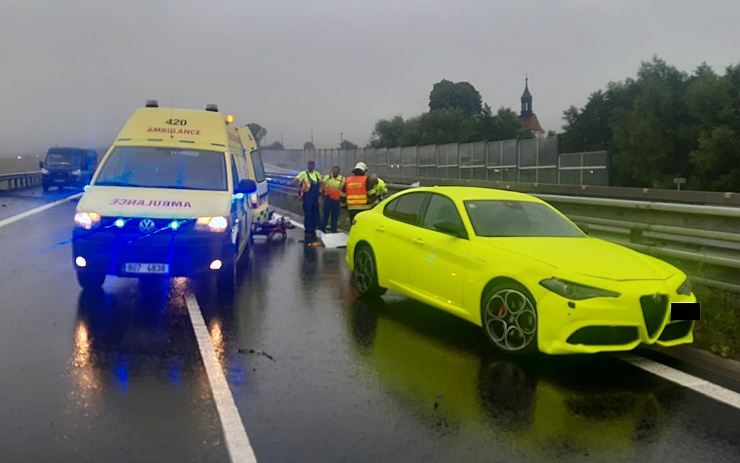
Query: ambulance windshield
[149,167]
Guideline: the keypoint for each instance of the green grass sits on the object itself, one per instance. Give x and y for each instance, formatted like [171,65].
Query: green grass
[718,331]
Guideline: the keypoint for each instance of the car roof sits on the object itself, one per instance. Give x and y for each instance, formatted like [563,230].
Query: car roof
[465,193]
[69,149]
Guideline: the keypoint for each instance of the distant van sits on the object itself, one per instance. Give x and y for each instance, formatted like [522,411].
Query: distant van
[259,200]
[170,198]
[68,167]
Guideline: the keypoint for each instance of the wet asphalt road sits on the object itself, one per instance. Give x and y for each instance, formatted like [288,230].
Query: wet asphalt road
[316,373]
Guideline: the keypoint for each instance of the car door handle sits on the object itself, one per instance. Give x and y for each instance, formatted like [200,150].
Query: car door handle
[380,228]
[418,241]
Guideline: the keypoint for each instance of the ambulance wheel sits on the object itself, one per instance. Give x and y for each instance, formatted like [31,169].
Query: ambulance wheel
[90,280]
[226,277]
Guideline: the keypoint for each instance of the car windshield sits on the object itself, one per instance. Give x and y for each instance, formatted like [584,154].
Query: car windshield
[136,166]
[67,159]
[497,218]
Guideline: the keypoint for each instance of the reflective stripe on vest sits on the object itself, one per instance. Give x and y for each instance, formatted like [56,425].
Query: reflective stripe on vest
[356,187]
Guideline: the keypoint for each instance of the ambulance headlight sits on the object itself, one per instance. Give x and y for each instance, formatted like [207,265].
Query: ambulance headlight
[212,224]
[87,220]
[76,172]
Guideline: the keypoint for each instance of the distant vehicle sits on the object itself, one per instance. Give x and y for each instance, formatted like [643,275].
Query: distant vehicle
[68,167]
[520,269]
[171,198]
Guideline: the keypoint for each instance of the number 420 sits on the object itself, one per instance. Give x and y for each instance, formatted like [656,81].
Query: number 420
[176,122]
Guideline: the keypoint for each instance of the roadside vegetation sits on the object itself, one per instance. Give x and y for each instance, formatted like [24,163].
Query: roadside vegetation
[718,331]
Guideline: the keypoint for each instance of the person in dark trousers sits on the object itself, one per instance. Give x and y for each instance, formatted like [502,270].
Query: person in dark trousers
[310,188]
[359,193]
[333,185]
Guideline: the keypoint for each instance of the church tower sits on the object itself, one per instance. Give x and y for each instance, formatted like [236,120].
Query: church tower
[527,116]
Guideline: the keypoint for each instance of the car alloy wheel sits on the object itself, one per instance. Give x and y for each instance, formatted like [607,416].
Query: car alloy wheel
[510,318]
[365,273]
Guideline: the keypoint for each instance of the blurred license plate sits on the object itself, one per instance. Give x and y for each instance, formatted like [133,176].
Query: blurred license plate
[146,268]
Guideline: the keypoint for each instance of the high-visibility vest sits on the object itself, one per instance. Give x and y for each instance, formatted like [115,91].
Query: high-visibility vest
[356,188]
[306,179]
[333,186]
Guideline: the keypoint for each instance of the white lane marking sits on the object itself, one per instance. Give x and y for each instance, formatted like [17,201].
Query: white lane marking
[686,380]
[237,441]
[36,210]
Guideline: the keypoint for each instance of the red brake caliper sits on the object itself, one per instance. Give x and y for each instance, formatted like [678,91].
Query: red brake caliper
[501,310]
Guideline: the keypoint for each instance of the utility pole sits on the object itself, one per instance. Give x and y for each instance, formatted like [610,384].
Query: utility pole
[341,136]
[312,137]
[281,139]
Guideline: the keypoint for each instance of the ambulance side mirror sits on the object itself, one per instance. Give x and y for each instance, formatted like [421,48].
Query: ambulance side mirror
[246,187]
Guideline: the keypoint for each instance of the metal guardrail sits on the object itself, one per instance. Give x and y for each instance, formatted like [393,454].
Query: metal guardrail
[19,180]
[702,240]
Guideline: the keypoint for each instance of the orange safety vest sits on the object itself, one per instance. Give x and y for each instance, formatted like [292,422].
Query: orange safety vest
[356,188]
[332,187]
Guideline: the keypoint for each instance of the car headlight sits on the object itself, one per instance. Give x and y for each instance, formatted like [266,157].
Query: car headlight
[76,172]
[212,224]
[575,291]
[87,220]
[44,170]
[685,288]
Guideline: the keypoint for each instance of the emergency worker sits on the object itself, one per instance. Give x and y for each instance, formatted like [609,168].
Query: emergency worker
[310,185]
[333,185]
[359,193]
[380,188]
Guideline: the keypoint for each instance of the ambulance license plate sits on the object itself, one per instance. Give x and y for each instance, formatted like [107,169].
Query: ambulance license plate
[146,268]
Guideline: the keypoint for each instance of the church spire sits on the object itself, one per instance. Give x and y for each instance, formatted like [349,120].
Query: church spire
[526,100]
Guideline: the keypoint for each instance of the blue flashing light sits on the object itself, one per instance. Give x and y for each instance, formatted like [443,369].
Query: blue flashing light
[174,225]
[120,223]
[121,371]
[239,196]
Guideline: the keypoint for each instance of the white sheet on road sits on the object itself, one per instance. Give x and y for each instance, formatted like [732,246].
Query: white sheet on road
[334,240]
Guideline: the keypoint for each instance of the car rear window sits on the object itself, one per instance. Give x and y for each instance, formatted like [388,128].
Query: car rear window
[406,208]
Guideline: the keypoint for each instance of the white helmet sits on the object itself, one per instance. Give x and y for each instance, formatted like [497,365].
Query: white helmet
[361,166]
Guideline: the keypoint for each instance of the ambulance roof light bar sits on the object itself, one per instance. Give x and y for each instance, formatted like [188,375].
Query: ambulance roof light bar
[152,104]
[212,107]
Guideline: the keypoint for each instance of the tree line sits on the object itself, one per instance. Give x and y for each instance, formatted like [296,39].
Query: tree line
[664,124]
[661,125]
[456,115]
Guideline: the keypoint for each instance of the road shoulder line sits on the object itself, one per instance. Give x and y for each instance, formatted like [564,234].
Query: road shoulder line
[686,380]
[237,441]
[36,210]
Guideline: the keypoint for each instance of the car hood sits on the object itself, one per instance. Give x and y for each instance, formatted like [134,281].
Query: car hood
[588,256]
[154,202]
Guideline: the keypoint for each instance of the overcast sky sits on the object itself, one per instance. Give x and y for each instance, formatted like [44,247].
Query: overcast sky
[71,72]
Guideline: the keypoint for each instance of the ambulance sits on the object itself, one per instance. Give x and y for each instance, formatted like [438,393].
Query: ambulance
[258,199]
[170,198]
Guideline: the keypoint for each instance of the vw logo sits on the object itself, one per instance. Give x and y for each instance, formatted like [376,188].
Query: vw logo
[146,226]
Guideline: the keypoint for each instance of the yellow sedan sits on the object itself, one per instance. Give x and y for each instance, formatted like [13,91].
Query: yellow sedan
[517,267]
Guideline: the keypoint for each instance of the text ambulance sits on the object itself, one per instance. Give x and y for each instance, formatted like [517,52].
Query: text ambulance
[170,198]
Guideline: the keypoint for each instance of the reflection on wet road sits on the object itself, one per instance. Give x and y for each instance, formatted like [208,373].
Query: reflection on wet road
[317,374]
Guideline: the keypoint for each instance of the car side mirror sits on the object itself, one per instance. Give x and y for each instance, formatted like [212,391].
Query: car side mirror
[41,164]
[450,227]
[246,186]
